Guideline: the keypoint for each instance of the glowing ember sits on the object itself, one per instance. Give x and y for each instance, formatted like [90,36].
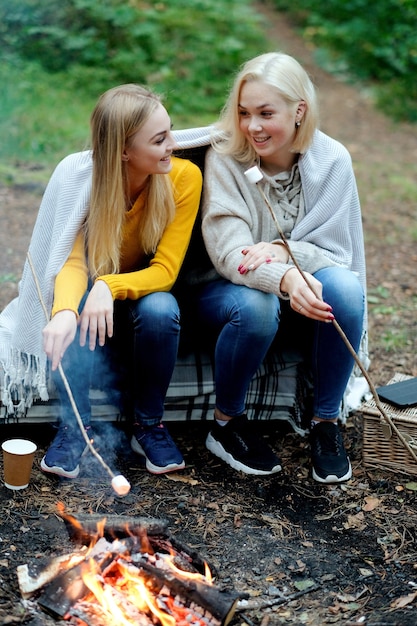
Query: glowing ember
[124,595]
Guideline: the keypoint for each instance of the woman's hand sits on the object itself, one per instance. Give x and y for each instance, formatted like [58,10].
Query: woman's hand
[97,316]
[58,334]
[304,300]
[262,252]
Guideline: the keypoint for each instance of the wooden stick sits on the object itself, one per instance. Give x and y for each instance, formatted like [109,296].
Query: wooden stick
[254,178]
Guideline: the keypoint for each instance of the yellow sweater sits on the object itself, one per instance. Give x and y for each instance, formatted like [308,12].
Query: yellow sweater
[161,272]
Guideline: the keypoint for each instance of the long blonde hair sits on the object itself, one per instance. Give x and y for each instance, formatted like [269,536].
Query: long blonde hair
[291,81]
[118,115]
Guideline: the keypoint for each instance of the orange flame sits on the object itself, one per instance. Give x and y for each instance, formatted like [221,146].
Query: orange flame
[135,593]
[180,573]
[120,592]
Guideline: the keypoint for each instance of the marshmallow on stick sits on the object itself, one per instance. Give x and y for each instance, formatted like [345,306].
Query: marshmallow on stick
[254,175]
[120,485]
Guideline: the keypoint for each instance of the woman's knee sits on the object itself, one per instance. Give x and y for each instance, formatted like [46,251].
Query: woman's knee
[257,313]
[157,309]
[341,289]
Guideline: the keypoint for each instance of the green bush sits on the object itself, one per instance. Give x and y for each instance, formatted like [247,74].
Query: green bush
[376,41]
[59,56]
[180,46]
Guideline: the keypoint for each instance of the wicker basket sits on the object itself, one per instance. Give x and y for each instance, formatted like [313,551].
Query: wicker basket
[383,449]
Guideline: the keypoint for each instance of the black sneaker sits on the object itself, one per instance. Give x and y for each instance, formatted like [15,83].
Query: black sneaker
[237,445]
[328,455]
[64,454]
[156,445]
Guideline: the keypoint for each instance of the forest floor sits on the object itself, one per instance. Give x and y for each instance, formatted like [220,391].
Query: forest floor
[306,553]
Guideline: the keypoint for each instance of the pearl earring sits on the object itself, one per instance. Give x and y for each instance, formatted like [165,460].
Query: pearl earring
[297,124]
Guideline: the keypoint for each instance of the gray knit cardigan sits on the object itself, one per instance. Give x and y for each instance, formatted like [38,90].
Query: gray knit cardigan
[328,230]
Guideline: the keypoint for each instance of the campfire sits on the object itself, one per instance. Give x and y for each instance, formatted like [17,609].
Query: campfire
[126,572]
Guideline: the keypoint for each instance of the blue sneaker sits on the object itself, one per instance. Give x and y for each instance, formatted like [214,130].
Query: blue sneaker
[64,454]
[156,445]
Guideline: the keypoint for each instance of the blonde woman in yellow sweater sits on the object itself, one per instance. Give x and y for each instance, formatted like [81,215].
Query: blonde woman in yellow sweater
[121,220]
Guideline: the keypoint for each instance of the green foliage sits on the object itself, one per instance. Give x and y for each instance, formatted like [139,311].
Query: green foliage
[375,41]
[398,335]
[57,57]
[180,46]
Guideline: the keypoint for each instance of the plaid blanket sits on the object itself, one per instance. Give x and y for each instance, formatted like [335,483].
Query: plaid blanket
[280,390]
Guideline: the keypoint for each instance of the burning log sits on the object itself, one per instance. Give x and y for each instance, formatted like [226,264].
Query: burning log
[220,604]
[64,591]
[146,579]
[85,528]
[34,576]
[67,587]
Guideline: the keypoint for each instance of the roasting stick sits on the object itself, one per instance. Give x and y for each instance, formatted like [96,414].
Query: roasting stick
[119,483]
[254,176]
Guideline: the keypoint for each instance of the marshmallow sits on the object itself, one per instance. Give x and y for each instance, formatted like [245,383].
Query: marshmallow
[254,174]
[120,485]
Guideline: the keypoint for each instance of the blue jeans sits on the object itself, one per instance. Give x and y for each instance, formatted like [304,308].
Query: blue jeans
[138,360]
[246,322]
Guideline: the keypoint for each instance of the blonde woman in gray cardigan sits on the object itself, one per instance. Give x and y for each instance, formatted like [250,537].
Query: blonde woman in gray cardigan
[271,120]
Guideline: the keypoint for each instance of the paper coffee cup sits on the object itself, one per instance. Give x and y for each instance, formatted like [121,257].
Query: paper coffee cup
[18,455]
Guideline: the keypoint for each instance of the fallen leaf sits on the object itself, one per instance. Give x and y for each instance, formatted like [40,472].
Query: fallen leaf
[182,479]
[411,486]
[335,609]
[301,565]
[399,603]
[301,585]
[346,598]
[371,503]
[366,572]
[355,521]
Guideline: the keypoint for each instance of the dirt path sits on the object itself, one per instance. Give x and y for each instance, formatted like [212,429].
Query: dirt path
[356,542]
